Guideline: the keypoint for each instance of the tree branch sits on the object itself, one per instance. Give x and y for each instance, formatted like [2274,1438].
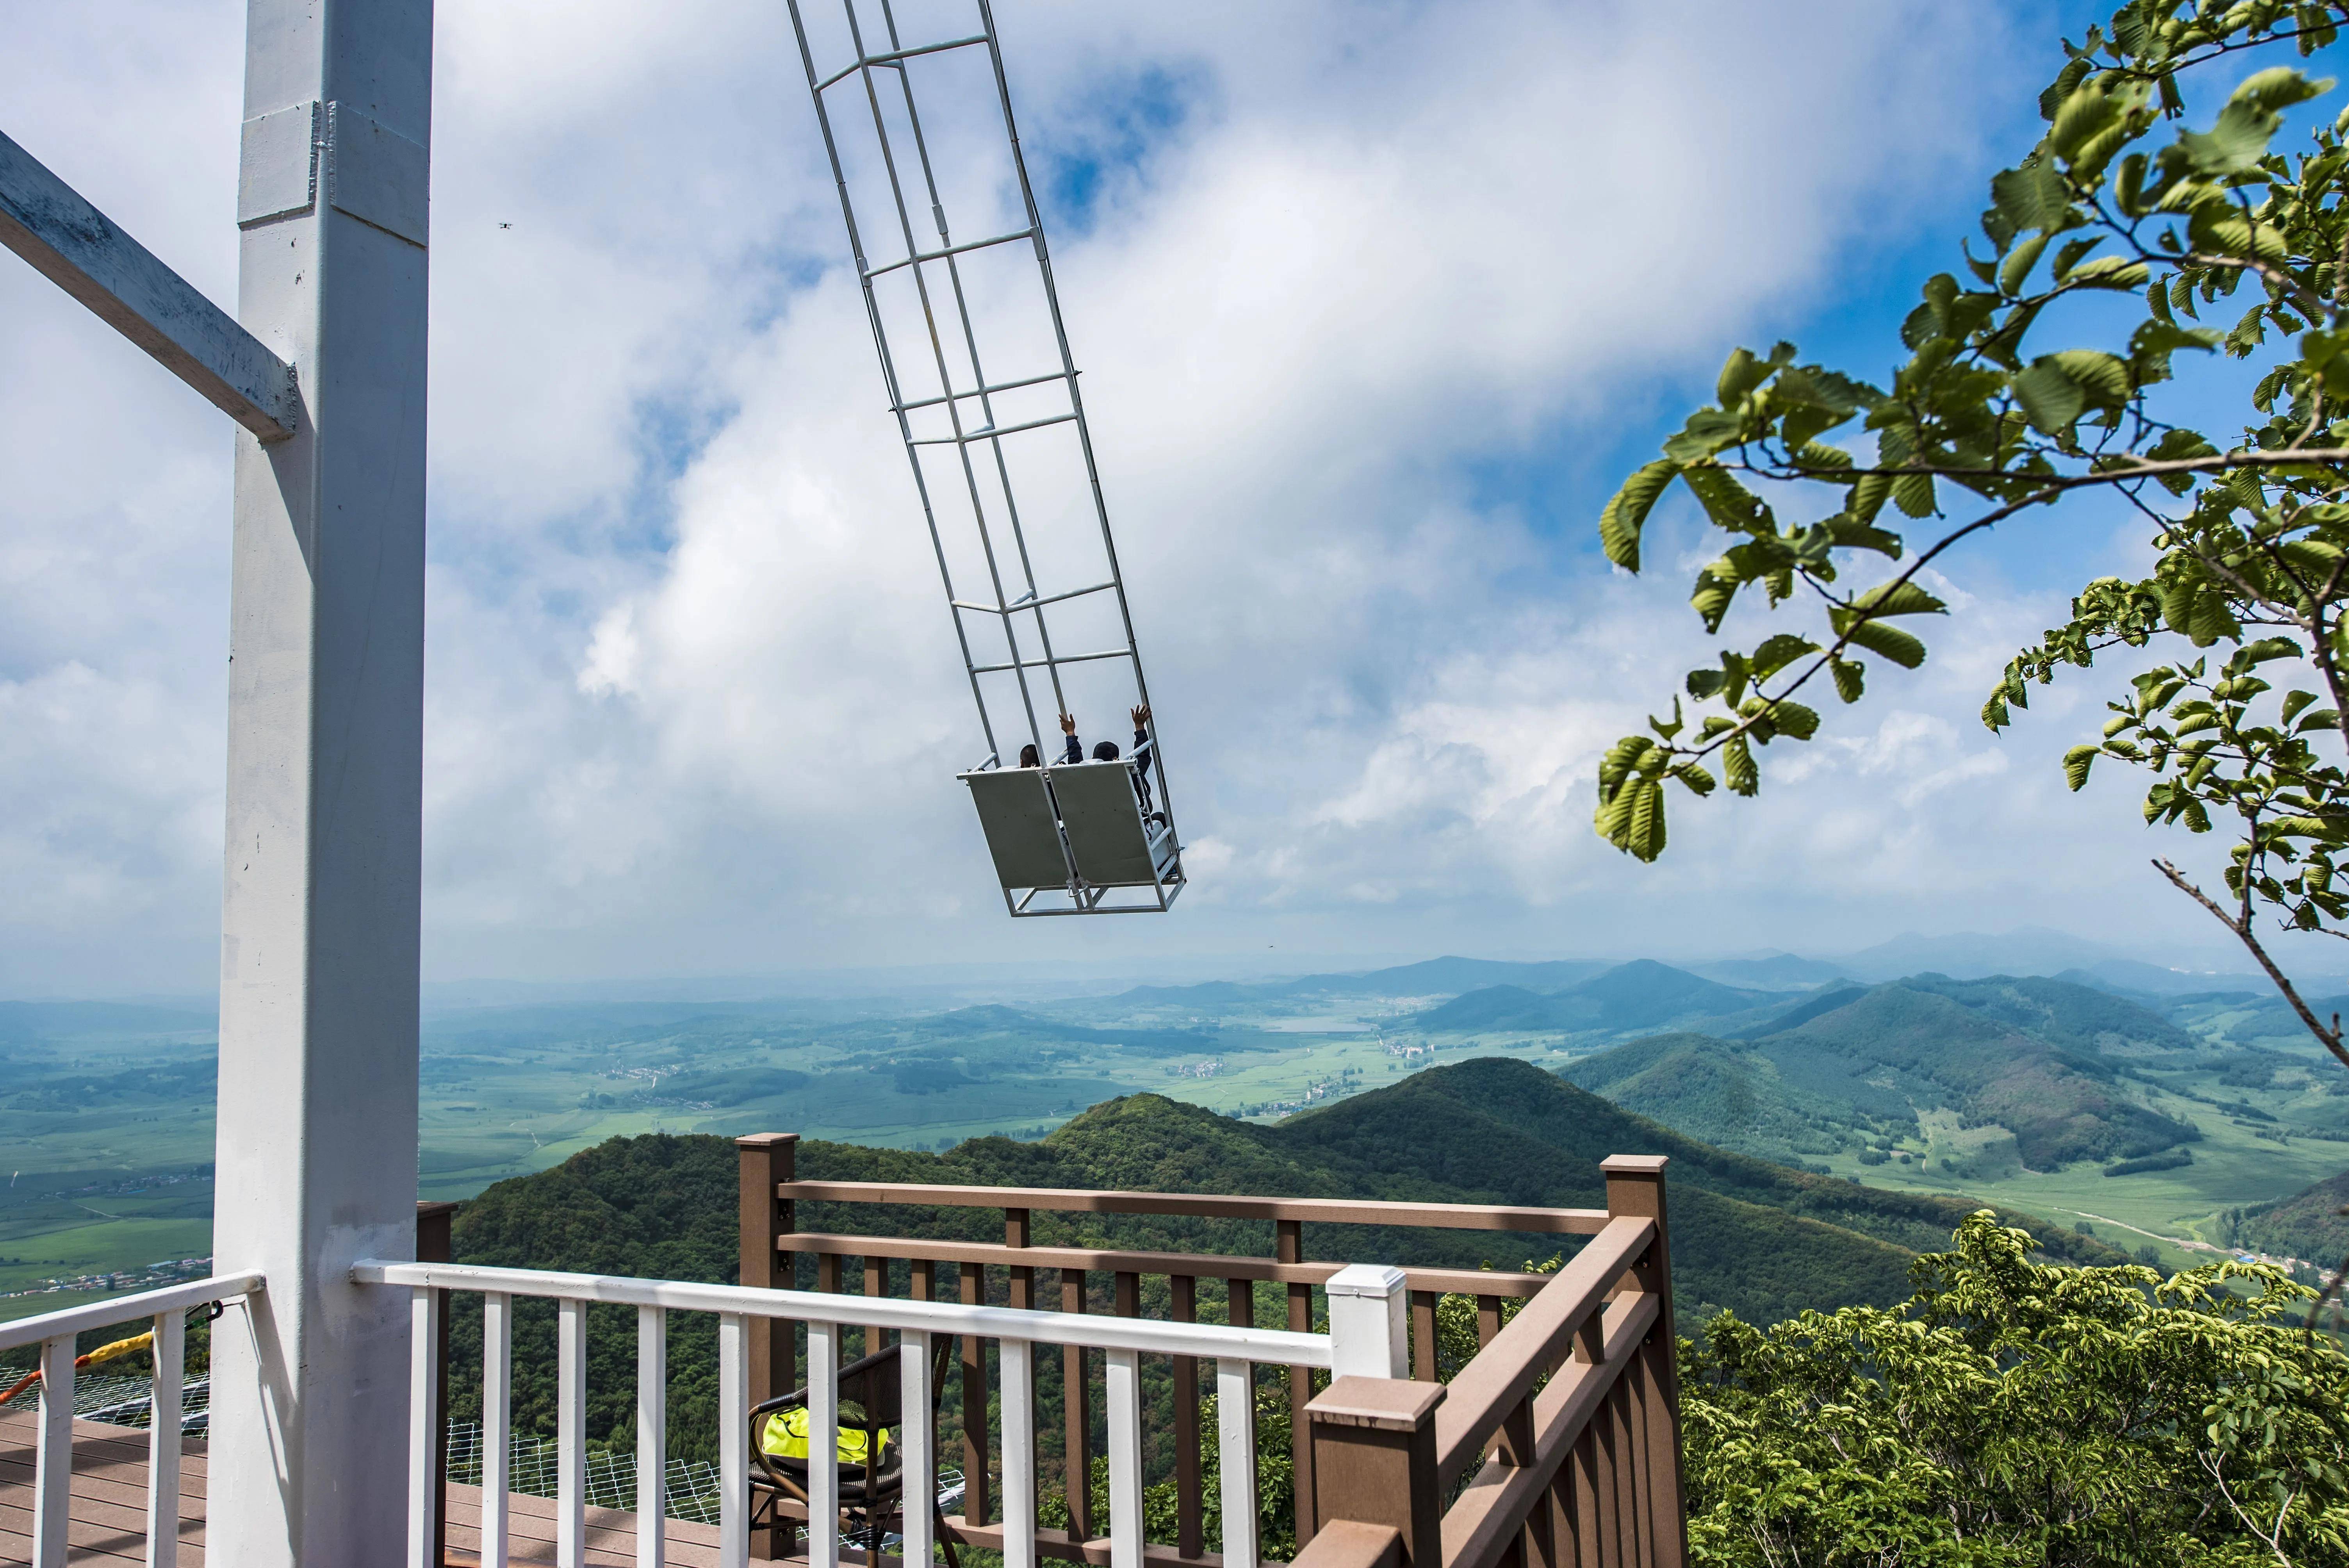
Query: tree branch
[2220,463]
[2329,1038]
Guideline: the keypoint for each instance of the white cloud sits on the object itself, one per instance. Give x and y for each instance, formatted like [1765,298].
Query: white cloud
[694,702]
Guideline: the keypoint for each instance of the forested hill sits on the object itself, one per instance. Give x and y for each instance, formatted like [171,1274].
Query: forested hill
[2049,1062]
[1759,1238]
[2311,1224]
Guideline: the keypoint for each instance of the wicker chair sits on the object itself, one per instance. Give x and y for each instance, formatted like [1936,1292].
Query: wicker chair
[872,1401]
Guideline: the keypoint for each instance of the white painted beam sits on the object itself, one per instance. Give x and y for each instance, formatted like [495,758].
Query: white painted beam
[919,1460]
[733,1422]
[497,1424]
[167,1403]
[80,249]
[823,1445]
[1235,1459]
[570,1435]
[1152,1336]
[319,912]
[53,1455]
[1015,1367]
[424,1428]
[652,1436]
[1122,1381]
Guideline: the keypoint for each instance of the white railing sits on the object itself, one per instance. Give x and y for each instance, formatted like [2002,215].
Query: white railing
[55,1333]
[1367,1338]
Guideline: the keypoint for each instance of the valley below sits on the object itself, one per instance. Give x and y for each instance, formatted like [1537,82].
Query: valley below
[2167,1125]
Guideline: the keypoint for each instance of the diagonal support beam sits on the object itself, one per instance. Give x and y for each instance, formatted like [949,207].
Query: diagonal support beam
[80,249]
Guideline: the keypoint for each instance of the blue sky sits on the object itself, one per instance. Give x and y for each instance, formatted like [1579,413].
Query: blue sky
[1376,303]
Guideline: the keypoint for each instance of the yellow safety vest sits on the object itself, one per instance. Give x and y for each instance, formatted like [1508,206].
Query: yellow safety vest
[785,1436]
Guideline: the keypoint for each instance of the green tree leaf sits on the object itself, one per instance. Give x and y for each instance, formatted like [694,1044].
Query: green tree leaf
[2031,197]
[1737,766]
[1620,525]
[1901,596]
[1729,503]
[1890,642]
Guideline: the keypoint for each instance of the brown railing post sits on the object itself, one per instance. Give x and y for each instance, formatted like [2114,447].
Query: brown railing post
[1423,1336]
[432,1247]
[974,1403]
[877,1283]
[1076,1417]
[1289,1248]
[1190,1526]
[1373,1442]
[768,1160]
[1635,1186]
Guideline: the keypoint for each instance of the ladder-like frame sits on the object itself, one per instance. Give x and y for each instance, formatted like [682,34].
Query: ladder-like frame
[1020,597]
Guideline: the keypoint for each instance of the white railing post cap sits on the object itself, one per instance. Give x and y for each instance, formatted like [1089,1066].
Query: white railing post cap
[1368,1334]
[1380,1280]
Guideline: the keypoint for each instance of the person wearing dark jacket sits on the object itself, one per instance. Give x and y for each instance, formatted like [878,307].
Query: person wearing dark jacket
[1106,751]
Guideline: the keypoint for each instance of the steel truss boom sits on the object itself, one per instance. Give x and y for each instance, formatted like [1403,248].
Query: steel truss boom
[1041,581]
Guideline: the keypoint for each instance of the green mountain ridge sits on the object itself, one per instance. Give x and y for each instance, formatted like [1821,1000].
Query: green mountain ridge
[2045,1059]
[1760,1238]
[1723,1091]
[1765,1240]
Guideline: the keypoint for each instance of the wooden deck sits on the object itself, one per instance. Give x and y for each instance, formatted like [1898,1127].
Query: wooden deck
[109,1509]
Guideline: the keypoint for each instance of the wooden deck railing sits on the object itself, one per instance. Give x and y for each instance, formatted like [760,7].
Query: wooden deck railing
[1557,1443]
[1558,1446]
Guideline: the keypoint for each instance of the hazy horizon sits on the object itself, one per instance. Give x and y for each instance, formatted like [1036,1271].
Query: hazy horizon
[1084,977]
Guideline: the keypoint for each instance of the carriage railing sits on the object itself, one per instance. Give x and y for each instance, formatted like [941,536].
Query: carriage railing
[1562,1433]
[55,1334]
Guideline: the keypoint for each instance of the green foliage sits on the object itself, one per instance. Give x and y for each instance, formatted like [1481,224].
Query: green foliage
[1985,421]
[2013,1413]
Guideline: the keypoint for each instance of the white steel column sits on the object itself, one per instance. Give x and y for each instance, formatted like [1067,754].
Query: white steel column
[318,944]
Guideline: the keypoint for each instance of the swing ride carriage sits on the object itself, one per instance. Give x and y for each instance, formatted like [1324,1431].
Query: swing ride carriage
[987,404]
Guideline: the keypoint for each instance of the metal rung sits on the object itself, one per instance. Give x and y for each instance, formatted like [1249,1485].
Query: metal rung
[1029,233]
[990,432]
[1047,664]
[1028,600]
[982,392]
[894,55]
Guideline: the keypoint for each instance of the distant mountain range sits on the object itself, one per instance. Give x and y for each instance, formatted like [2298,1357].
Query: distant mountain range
[2026,1054]
[2032,952]
[1643,994]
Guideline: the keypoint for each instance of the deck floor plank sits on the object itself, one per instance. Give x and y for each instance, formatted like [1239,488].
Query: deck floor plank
[108,1523]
